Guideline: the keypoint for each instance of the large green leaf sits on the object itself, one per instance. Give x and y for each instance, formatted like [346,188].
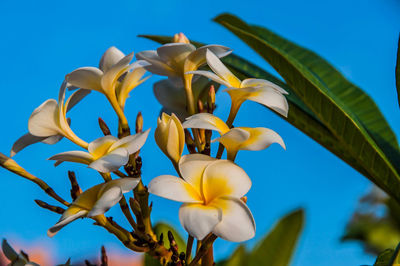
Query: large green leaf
[350,114]
[299,116]
[389,257]
[277,248]
[398,71]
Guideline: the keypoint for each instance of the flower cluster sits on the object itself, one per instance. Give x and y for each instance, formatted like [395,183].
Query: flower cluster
[212,190]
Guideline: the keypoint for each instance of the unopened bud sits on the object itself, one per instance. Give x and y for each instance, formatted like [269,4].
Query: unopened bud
[139,122]
[181,38]
[104,128]
[200,106]
[211,94]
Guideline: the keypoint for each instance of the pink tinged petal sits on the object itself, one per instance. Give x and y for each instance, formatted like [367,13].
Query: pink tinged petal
[211,76]
[192,167]
[237,222]
[174,188]
[72,156]
[262,83]
[157,65]
[86,78]
[132,143]
[112,161]
[100,146]
[108,198]
[206,121]
[272,99]
[221,70]
[199,220]
[261,138]
[70,215]
[43,122]
[224,178]
[175,54]
[112,56]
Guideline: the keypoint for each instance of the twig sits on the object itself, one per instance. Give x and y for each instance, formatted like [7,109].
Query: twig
[75,189]
[189,247]
[104,258]
[49,207]
[206,244]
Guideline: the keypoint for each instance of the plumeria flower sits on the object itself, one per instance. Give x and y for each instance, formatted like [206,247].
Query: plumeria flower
[235,139]
[174,60]
[115,77]
[257,90]
[48,122]
[95,201]
[105,154]
[210,190]
[29,139]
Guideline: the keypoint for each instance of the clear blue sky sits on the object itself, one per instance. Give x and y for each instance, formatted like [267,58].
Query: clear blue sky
[44,40]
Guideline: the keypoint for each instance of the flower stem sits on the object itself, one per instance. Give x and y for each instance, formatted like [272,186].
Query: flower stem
[189,247]
[205,246]
[189,94]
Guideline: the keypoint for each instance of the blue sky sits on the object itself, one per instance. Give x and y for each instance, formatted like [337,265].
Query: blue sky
[44,40]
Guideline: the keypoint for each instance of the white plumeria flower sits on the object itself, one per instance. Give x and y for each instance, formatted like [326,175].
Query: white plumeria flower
[48,122]
[115,77]
[235,139]
[105,154]
[95,201]
[210,190]
[257,90]
[176,60]
[29,139]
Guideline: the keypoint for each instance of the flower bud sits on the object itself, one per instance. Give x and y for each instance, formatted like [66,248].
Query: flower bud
[181,38]
[170,136]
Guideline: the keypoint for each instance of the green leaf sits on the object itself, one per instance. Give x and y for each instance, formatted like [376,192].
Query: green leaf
[398,71]
[277,248]
[350,114]
[299,115]
[237,258]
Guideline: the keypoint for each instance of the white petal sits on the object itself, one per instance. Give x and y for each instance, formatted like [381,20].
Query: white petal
[64,221]
[43,121]
[206,121]
[262,83]
[224,178]
[86,78]
[112,56]
[75,98]
[108,198]
[192,167]
[198,57]
[126,184]
[52,139]
[261,138]
[23,142]
[211,76]
[100,146]
[170,96]
[221,70]
[72,156]
[199,220]
[157,65]
[175,53]
[115,72]
[237,223]
[132,143]
[112,161]
[174,188]
[272,99]
[233,140]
